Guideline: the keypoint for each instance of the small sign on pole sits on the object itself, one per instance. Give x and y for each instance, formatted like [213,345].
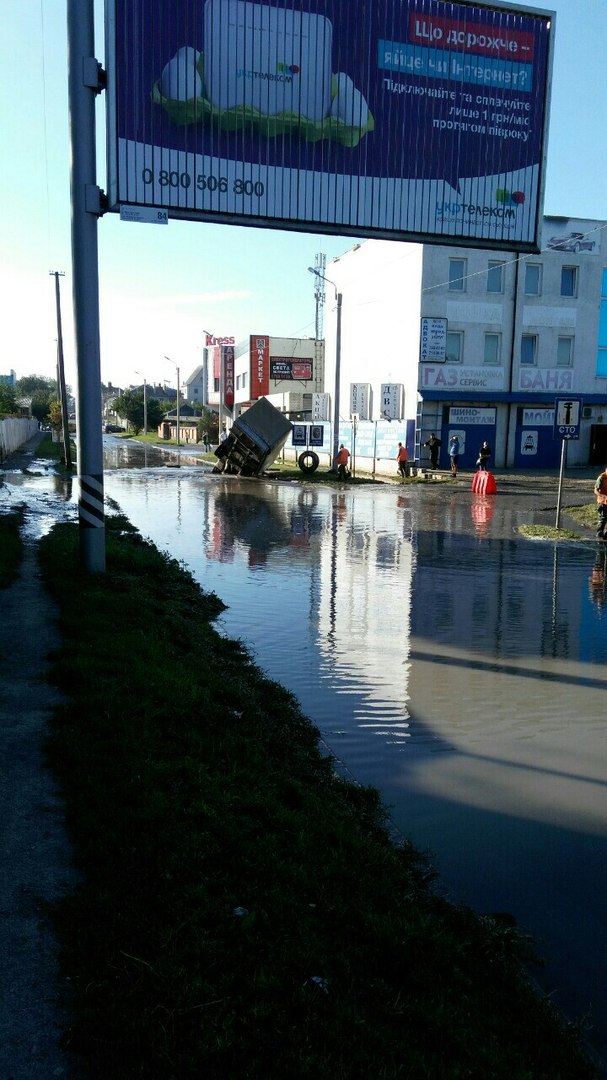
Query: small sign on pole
[567,419]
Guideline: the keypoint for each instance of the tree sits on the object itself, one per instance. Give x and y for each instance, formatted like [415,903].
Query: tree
[209,422]
[129,405]
[31,385]
[55,415]
[155,413]
[8,399]
[41,403]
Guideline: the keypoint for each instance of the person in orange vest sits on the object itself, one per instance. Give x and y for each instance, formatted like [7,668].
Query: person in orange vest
[402,459]
[600,490]
[343,458]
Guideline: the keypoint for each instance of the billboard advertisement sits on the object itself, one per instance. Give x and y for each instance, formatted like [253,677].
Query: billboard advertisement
[283,367]
[259,349]
[415,119]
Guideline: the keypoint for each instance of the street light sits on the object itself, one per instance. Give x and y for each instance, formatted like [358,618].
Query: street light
[338,300]
[178,392]
[145,402]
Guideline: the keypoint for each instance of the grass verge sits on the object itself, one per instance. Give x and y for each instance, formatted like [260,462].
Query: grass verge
[11,546]
[243,912]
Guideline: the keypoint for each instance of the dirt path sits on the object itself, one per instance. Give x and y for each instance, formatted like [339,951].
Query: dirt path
[37,870]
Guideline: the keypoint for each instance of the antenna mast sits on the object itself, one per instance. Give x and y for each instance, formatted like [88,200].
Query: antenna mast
[320,263]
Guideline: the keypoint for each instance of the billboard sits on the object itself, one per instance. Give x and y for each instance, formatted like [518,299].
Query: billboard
[416,119]
[259,349]
[283,367]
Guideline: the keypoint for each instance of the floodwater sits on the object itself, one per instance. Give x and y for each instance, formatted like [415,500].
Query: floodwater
[455,666]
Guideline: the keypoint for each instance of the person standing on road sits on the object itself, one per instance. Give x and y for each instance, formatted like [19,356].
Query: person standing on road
[454,454]
[343,458]
[434,446]
[483,456]
[402,460]
[600,490]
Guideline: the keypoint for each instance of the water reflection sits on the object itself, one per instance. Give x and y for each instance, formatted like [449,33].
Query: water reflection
[459,669]
[454,666]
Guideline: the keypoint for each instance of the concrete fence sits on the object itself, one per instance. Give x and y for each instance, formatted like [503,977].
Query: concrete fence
[14,433]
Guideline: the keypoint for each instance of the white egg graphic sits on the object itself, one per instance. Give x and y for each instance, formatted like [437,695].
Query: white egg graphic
[180,79]
[349,104]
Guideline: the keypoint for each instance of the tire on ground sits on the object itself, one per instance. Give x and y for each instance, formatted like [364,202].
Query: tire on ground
[308,461]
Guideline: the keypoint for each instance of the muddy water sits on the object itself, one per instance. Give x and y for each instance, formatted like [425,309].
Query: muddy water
[455,666]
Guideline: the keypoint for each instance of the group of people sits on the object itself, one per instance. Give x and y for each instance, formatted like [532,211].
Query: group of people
[402,456]
[434,445]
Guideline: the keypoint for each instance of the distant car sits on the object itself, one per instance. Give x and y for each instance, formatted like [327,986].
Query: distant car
[575,241]
[112,429]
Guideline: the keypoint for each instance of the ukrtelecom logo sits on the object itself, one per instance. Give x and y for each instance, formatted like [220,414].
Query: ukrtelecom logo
[287,69]
[509,198]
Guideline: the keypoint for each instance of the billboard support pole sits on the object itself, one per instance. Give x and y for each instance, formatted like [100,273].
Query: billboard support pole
[84,82]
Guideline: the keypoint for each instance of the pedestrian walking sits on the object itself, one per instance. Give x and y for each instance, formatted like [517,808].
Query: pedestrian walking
[343,458]
[600,490]
[483,456]
[434,446]
[402,460]
[454,454]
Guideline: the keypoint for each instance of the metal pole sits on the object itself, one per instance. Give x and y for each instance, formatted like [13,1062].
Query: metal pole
[67,448]
[83,84]
[338,297]
[178,385]
[561,474]
[145,407]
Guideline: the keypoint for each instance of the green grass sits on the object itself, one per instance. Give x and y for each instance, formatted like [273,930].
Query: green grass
[547,532]
[586,515]
[11,546]
[243,912]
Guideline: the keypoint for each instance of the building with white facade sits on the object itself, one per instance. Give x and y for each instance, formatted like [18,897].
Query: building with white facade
[509,336]
[286,371]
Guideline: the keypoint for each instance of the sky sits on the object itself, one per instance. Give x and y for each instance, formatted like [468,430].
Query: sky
[161,287]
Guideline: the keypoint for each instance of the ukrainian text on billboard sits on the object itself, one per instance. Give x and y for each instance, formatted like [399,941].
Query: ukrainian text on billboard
[420,119]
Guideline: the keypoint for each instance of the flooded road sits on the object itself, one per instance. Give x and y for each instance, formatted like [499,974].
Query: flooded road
[455,666]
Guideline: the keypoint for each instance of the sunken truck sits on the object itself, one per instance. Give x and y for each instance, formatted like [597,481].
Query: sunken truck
[255,439]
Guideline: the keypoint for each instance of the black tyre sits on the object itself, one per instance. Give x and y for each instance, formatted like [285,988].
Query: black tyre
[308,461]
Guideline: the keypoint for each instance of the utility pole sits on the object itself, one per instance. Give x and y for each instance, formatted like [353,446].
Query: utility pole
[61,389]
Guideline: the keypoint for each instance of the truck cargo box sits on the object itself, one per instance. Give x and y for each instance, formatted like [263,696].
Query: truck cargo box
[257,436]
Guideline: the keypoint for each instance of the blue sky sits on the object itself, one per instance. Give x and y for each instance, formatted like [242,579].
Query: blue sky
[162,286]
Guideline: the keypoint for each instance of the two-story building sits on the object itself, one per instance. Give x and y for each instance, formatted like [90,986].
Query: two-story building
[287,371]
[512,335]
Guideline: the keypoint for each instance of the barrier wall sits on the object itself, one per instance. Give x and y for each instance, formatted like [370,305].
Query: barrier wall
[14,433]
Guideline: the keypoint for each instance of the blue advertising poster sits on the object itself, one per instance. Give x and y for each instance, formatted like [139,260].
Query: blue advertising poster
[409,118]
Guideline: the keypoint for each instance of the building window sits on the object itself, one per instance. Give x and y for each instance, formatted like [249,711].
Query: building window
[601,357]
[495,277]
[244,380]
[564,352]
[533,279]
[455,348]
[569,281]
[216,385]
[529,349]
[492,349]
[457,274]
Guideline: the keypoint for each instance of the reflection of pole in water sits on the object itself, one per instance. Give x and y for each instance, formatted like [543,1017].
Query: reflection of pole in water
[553,626]
[333,576]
